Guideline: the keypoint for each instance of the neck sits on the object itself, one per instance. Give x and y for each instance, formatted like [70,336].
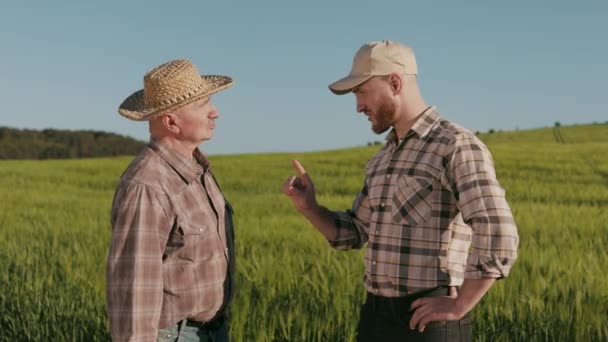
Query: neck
[408,115]
[184,148]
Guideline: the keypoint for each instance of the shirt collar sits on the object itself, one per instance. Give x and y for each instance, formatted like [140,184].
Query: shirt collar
[421,127]
[187,168]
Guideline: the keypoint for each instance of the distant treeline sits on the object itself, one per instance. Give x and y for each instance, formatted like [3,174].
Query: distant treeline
[54,143]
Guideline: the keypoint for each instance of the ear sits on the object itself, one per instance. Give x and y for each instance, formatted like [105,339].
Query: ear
[396,83]
[170,123]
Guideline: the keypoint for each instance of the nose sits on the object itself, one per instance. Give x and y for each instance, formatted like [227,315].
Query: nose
[360,104]
[360,107]
[214,113]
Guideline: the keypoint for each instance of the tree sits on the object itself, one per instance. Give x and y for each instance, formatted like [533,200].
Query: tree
[53,143]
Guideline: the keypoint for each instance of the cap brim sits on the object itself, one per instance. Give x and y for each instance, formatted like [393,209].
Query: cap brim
[346,84]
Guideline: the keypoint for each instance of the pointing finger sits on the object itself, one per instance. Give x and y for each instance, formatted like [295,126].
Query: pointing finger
[296,164]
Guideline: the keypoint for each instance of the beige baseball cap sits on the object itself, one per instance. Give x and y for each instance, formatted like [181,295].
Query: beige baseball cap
[377,59]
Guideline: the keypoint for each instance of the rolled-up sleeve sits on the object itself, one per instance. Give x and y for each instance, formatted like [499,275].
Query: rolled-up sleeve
[352,224]
[484,207]
[134,279]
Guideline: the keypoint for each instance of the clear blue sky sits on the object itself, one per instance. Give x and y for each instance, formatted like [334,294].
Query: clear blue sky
[507,65]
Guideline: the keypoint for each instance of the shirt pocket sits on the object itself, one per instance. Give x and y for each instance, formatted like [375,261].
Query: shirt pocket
[192,236]
[412,200]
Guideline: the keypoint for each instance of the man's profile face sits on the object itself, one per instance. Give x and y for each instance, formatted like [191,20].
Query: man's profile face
[374,100]
[197,120]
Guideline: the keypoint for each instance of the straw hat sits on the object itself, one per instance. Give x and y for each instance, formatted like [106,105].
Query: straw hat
[168,87]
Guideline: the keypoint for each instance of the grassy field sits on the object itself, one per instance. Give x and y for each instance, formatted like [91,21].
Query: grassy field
[54,236]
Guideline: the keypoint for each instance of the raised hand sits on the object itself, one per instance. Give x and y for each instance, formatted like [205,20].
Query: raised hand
[300,189]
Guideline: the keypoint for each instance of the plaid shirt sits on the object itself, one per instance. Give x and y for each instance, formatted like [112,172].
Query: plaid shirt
[431,211]
[169,255]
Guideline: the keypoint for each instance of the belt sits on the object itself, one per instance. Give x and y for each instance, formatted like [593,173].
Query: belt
[433,292]
[209,325]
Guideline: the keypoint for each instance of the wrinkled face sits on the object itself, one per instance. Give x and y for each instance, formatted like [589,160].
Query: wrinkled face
[197,120]
[374,100]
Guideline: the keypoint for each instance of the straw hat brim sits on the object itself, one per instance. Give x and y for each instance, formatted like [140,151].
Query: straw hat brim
[345,85]
[133,107]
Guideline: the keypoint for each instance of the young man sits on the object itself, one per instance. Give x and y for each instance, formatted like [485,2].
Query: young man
[429,194]
[171,258]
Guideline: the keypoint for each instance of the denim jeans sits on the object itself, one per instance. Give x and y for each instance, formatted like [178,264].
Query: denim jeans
[185,333]
[387,319]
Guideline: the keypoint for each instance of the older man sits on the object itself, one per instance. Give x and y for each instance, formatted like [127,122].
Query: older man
[171,261]
[428,193]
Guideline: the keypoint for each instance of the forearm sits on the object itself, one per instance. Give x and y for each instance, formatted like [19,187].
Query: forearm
[471,292]
[323,220]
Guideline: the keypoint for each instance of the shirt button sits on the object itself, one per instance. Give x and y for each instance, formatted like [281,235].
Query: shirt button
[388,176]
[374,262]
[377,231]
[381,205]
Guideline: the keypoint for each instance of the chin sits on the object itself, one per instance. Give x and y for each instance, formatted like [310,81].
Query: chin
[206,138]
[379,130]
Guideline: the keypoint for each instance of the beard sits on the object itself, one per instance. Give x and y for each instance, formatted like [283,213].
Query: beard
[384,119]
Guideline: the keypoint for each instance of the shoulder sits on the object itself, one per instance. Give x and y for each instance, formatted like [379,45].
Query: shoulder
[457,137]
[452,131]
[148,170]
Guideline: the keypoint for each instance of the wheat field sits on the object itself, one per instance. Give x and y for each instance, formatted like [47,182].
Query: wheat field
[54,236]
